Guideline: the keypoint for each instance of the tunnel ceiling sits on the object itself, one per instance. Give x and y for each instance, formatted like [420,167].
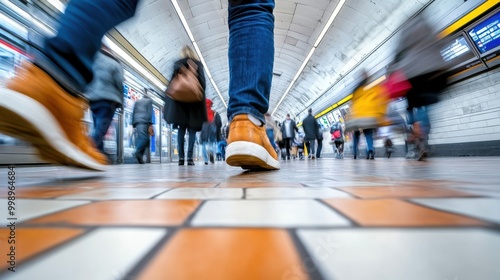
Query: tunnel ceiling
[157,33]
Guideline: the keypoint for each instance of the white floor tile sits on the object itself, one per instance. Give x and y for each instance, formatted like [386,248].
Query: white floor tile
[267,213]
[483,208]
[203,193]
[26,209]
[294,193]
[103,254]
[392,254]
[116,193]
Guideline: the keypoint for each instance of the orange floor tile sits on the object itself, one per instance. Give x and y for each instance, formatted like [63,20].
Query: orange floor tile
[126,213]
[220,254]
[389,212]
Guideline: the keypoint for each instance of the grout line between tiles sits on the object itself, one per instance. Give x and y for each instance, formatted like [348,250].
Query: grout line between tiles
[188,220]
[307,261]
[354,223]
[28,261]
[138,267]
[155,196]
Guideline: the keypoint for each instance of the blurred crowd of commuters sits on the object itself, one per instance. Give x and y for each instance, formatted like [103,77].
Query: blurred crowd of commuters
[50,92]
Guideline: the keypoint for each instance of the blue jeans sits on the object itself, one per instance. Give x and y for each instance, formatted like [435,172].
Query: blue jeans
[270,135]
[102,115]
[369,140]
[221,149]
[319,148]
[420,115]
[180,141]
[207,148]
[251,56]
[79,36]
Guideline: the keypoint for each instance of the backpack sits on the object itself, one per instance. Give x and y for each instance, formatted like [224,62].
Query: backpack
[336,132]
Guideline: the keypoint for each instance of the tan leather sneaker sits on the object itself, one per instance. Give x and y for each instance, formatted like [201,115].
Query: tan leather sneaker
[34,108]
[249,147]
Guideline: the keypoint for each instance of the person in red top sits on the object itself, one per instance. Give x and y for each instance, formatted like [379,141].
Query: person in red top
[210,133]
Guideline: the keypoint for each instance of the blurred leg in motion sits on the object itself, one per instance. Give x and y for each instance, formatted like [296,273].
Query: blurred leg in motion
[181,134]
[192,139]
[102,115]
[251,58]
[142,141]
[370,150]
[355,143]
[44,99]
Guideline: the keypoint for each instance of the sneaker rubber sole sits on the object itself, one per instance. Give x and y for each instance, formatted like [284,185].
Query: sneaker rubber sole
[251,156]
[30,121]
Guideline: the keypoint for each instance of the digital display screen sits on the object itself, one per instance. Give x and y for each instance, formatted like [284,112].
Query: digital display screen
[486,35]
[458,50]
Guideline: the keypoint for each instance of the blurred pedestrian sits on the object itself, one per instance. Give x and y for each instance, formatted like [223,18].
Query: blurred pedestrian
[105,94]
[45,94]
[418,57]
[142,119]
[288,129]
[186,116]
[311,128]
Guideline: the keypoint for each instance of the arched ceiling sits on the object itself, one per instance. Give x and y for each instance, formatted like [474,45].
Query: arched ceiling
[361,26]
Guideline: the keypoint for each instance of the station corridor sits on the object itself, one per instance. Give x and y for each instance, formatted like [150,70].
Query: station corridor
[313,219]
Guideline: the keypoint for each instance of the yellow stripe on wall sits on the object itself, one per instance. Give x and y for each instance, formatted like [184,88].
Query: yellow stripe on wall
[473,15]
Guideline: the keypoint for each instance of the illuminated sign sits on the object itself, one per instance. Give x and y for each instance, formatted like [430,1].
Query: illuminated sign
[486,35]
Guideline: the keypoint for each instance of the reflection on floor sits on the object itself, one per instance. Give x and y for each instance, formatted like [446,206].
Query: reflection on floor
[313,219]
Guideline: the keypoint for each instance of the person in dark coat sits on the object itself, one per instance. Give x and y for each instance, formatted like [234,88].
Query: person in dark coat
[105,94]
[288,129]
[142,118]
[311,128]
[186,116]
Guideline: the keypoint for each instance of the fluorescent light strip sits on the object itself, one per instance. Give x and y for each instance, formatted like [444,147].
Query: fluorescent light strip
[16,9]
[58,5]
[191,37]
[329,22]
[125,56]
[318,41]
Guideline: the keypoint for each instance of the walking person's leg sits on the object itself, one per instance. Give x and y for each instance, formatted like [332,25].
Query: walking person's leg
[355,143]
[44,98]
[102,114]
[288,146]
[312,147]
[181,136]
[192,139]
[369,143]
[142,141]
[204,151]
[251,58]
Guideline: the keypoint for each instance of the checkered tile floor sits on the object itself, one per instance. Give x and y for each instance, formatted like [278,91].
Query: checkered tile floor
[313,219]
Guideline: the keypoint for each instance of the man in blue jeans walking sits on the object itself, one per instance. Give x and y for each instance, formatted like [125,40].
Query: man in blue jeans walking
[43,103]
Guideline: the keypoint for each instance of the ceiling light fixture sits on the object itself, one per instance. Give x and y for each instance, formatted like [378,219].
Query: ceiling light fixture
[313,49]
[195,45]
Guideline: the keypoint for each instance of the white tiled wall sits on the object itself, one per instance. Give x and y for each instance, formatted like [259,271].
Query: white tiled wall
[469,111]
